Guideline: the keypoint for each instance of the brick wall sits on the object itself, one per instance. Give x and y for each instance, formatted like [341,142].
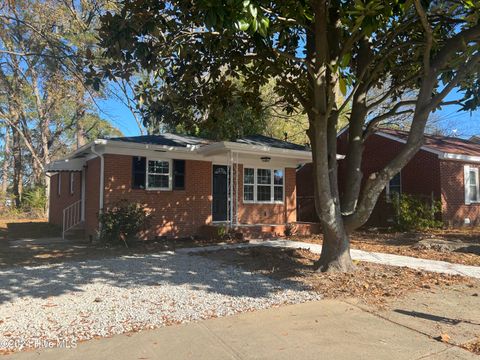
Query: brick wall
[175,213]
[249,213]
[58,202]
[92,193]
[420,177]
[454,208]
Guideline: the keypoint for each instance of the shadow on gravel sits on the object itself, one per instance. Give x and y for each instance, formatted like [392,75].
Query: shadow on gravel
[194,272]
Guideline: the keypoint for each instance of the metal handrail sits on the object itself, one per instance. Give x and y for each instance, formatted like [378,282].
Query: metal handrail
[72,216]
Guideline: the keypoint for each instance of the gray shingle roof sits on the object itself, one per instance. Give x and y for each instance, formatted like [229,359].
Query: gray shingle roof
[166,139]
[271,142]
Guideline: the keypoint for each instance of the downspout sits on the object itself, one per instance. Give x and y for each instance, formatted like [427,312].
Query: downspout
[102,168]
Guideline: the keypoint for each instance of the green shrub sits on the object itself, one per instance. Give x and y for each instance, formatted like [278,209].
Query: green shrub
[416,213]
[123,222]
[34,201]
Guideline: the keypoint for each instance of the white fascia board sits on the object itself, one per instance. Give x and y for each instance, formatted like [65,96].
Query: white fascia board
[222,146]
[65,165]
[109,144]
[459,157]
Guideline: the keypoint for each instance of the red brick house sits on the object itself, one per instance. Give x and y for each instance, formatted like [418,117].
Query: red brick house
[186,182]
[445,169]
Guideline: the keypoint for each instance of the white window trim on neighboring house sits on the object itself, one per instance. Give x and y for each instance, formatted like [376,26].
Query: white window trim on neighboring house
[467,173]
[388,191]
[147,173]
[72,183]
[272,186]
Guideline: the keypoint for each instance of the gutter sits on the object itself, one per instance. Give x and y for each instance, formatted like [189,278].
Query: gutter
[102,180]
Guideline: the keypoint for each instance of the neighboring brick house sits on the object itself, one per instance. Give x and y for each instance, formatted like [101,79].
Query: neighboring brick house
[186,182]
[446,169]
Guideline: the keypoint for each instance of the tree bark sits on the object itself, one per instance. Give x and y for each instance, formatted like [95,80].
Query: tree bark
[323,117]
[6,161]
[17,184]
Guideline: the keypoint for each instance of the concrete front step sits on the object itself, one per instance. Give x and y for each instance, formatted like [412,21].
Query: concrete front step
[77,232]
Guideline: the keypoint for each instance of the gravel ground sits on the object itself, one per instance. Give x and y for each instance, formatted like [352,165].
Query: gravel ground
[84,300]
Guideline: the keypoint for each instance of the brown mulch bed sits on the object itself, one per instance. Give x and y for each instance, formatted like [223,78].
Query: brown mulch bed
[373,284]
[403,244]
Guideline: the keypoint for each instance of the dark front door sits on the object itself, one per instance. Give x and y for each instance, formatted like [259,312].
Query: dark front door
[220,193]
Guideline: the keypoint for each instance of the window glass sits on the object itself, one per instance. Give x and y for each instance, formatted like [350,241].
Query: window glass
[248,194]
[264,176]
[248,176]
[278,177]
[264,193]
[394,186]
[278,193]
[158,174]
[473,184]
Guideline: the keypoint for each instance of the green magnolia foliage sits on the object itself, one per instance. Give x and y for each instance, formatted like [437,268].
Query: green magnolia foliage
[416,213]
[205,57]
[123,222]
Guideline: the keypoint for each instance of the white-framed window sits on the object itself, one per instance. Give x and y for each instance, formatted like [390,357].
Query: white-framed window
[394,187]
[72,183]
[263,185]
[159,174]
[472,186]
[59,184]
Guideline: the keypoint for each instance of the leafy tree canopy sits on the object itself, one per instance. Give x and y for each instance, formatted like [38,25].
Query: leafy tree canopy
[323,57]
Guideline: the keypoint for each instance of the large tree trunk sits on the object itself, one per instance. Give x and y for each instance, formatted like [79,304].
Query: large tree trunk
[6,161]
[17,169]
[335,254]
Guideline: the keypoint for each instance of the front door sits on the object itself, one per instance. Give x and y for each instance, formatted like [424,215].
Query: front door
[220,193]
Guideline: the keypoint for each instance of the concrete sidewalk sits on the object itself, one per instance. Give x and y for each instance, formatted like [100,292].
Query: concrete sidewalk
[379,258]
[327,329]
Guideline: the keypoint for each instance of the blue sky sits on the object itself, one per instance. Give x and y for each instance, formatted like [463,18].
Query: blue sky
[463,124]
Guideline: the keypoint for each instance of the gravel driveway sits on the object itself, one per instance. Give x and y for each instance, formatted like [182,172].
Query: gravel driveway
[83,300]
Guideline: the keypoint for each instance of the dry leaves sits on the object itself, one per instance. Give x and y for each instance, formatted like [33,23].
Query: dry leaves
[372,283]
[402,244]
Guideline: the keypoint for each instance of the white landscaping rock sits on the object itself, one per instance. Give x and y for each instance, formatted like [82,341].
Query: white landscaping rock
[82,300]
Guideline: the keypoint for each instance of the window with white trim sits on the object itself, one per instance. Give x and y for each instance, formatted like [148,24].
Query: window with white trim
[158,174]
[472,186]
[72,183]
[394,187]
[263,185]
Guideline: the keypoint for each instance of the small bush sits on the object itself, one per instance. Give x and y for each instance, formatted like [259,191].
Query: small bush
[123,222]
[415,213]
[288,230]
[34,200]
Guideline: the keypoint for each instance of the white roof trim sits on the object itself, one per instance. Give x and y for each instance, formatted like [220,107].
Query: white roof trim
[459,157]
[65,165]
[223,146]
